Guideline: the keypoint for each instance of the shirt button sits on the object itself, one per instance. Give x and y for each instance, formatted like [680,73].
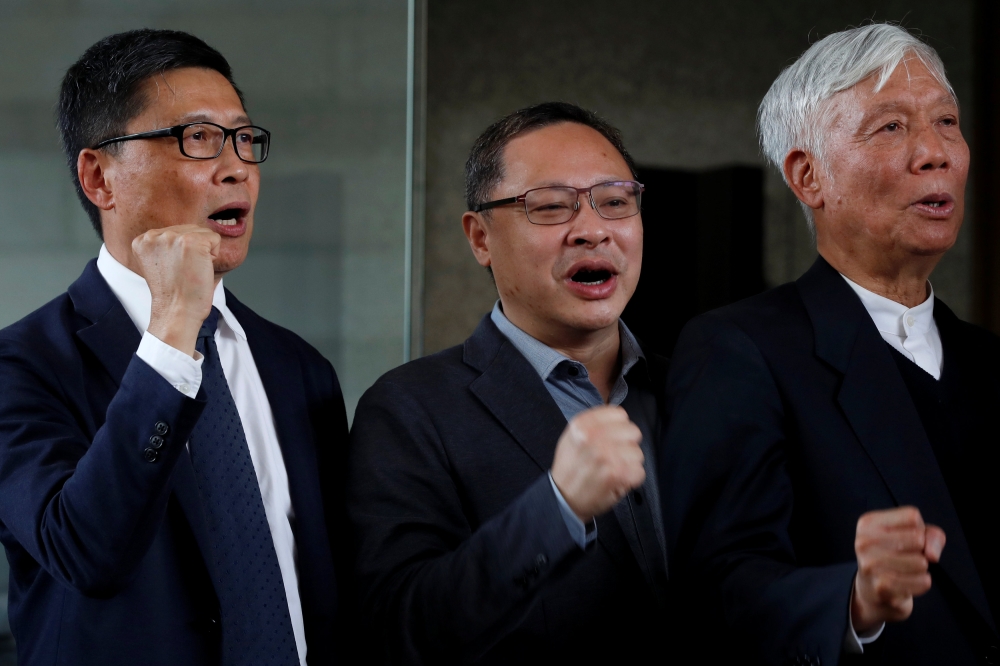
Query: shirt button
[184,388]
[909,320]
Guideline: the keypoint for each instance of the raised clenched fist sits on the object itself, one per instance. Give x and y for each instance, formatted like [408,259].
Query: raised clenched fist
[894,549]
[178,264]
[598,460]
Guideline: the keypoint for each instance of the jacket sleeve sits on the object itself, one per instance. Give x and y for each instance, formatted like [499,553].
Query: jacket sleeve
[728,499]
[435,589]
[86,510]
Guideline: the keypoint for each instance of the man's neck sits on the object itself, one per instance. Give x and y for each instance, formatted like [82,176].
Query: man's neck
[598,350]
[901,281]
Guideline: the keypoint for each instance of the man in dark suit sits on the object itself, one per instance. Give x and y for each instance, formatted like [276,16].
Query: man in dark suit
[828,436]
[498,489]
[168,458]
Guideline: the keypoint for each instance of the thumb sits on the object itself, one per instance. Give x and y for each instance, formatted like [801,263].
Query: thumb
[934,540]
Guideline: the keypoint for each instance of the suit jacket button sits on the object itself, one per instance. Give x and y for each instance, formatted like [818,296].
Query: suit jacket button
[156,442]
[161,428]
[992,655]
[150,455]
[637,496]
[541,560]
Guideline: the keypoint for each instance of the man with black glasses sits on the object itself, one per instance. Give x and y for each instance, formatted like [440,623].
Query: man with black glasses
[502,490]
[168,458]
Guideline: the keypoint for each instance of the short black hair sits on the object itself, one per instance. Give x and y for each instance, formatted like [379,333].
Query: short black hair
[484,168]
[102,91]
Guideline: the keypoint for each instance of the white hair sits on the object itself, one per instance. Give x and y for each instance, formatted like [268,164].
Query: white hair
[792,113]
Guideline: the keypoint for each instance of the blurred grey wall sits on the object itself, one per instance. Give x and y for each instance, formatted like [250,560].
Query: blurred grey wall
[327,77]
[682,80]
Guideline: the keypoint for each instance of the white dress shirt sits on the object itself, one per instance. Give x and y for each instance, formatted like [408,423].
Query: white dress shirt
[184,374]
[911,331]
[914,334]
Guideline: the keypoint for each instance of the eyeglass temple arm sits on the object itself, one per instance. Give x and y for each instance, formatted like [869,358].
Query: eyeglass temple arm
[167,131]
[478,208]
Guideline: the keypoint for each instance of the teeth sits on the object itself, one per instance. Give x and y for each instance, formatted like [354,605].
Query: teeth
[590,284]
[226,223]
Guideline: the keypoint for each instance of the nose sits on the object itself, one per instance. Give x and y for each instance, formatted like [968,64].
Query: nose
[231,169]
[587,227]
[931,152]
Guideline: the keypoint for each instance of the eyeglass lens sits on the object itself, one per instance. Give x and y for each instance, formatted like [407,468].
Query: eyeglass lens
[555,205]
[204,141]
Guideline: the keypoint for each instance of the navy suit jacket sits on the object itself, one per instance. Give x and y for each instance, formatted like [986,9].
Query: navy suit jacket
[464,554]
[108,551]
[789,420]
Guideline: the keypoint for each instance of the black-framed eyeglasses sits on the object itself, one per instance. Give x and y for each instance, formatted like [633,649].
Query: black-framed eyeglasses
[205,141]
[613,200]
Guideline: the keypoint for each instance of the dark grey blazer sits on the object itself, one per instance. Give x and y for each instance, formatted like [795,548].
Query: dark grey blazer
[463,554]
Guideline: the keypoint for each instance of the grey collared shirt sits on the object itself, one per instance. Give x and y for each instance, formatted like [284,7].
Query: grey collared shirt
[568,382]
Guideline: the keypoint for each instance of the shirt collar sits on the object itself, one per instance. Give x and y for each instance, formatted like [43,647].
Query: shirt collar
[133,292]
[544,359]
[891,317]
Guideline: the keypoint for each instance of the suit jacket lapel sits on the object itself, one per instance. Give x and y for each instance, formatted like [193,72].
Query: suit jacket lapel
[113,339]
[514,393]
[281,375]
[878,406]
[111,335]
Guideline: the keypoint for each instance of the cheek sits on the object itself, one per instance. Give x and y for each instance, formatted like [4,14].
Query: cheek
[629,241]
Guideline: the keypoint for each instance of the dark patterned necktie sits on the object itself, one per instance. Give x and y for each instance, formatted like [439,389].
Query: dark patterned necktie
[256,626]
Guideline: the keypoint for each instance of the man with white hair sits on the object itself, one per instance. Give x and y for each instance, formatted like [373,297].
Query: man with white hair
[827,436]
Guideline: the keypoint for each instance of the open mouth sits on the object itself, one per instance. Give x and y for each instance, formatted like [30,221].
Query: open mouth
[937,204]
[227,217]
[934,203]
[590,277]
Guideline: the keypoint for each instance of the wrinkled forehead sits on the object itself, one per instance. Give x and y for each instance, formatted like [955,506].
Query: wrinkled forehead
[190,94]
[910,87]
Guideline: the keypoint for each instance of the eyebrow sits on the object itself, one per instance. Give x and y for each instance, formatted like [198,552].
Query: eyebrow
[894,106]
[597,181]
[204,118]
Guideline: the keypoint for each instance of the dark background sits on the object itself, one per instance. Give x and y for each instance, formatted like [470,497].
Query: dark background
[682,80]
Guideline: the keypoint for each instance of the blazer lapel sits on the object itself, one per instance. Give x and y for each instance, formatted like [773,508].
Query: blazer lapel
[878,406]
[281,375]
[111,335]
[514,393]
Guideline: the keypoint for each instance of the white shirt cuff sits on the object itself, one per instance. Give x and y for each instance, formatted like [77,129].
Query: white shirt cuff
[180,370]
[582,534]
[853,643]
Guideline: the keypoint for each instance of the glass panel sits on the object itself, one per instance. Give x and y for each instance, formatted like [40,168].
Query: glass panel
[328,79]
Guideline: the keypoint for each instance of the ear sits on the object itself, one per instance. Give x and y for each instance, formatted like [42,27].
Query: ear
[476,231]
[91,169]
[803,178]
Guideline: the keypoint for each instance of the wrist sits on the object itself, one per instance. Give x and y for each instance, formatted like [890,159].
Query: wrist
[862,619]
[179,329]
[570,502]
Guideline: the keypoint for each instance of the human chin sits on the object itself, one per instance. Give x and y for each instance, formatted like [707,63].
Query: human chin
[593,315]
[232,253]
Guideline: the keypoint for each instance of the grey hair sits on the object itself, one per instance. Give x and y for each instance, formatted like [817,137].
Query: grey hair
[792,113]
